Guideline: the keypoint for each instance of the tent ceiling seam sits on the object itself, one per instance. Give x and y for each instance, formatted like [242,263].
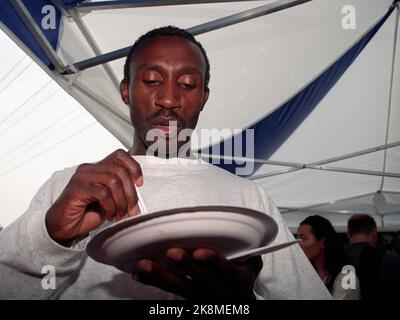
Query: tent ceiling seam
[390,92]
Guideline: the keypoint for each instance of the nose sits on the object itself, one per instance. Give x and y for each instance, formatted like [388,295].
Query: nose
[168,96]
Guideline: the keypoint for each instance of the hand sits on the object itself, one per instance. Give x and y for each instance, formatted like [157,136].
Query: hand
[203,274]
[96,192]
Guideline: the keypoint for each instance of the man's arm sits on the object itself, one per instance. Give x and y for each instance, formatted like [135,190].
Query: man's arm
[28,254]
[64,211]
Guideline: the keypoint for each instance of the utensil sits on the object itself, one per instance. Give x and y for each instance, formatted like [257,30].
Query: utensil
[259,251]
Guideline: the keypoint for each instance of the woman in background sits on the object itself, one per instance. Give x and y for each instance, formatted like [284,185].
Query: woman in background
[323,248]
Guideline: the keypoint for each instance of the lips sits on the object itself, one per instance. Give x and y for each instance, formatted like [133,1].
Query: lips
[169,127]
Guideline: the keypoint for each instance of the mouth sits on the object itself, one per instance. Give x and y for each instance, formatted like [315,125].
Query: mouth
[167,128]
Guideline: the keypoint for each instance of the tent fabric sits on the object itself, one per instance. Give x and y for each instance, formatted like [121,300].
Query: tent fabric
[12,21]
[272,131]
[310,88]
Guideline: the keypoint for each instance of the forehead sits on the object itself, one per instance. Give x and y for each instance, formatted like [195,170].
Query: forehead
[169,51]
[304,229]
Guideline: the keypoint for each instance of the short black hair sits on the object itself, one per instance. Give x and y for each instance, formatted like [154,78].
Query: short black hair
[360,223]
[167,31]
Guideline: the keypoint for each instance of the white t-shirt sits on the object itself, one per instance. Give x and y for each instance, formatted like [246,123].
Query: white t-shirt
[25,246]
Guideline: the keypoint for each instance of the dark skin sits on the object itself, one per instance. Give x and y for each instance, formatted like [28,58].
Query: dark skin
[167,84]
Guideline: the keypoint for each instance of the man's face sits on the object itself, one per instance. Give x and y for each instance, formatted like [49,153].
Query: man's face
[167,84]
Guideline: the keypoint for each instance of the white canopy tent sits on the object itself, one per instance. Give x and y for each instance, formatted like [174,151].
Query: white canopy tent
[341,157]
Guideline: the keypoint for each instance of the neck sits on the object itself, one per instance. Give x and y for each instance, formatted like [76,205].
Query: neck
[319,266]
[361,238]
[138,148]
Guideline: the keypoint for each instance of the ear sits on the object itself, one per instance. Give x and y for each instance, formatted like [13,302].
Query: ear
[206,94]
[124,90]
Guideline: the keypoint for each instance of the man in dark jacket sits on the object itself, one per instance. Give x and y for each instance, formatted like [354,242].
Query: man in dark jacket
[377,269]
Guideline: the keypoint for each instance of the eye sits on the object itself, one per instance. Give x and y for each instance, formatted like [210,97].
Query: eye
[187,86]
[151,82]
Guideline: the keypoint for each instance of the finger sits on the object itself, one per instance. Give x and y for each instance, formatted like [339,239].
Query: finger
[83,208]
[121,157]
[155,275]
[108,208]
[216,264]
[118,177]
[115,190]
[186,265]
[128,188]
[99,206]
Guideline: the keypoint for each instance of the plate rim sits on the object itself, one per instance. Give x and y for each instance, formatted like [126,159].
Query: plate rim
[114,228]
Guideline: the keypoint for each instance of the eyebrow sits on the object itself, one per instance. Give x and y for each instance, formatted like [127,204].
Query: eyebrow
[157,67]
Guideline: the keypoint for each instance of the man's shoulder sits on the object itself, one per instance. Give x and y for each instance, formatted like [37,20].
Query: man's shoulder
[232,178]
[392,258]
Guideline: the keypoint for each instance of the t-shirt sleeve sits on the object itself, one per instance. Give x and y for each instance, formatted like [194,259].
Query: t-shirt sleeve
[29,257]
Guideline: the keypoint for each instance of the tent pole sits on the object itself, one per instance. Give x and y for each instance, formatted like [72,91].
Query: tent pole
[312,207]
[357,153]
[330,168]
[290,209]
[87,35]
[304,165]
[196,30]
[121,4]
[30,23]
[244,16]
[61,7]
[358,171]
[314,165]
[92,43]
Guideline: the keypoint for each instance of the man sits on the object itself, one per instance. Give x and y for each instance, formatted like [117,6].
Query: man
[378,270]
[166,80]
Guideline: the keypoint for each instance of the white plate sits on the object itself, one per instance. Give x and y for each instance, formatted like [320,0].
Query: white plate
[230,230]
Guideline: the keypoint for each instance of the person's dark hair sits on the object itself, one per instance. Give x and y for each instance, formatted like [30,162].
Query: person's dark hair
[333,253]
[167,31]
[360,223]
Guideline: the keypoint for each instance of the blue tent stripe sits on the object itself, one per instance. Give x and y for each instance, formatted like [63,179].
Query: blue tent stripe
[12,21]
[273,130]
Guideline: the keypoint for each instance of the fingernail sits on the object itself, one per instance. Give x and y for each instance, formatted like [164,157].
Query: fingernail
[202,254]
[139,181]
[175,254]
[133,211]
[145,265]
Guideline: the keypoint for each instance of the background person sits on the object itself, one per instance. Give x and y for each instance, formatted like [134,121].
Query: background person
[323,248]
[378,269]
